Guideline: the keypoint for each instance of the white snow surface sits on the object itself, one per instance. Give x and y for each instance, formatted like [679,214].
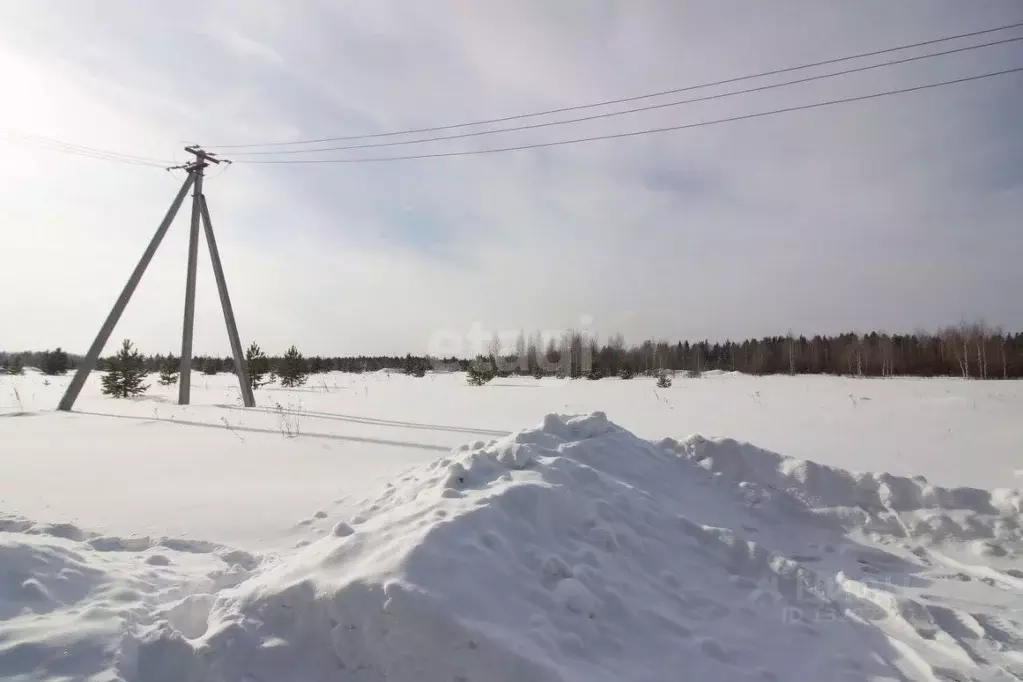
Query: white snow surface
[216,472]
[576,550]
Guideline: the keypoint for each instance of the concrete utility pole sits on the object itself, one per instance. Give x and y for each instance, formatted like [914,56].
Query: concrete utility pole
[185,379]
[200,213]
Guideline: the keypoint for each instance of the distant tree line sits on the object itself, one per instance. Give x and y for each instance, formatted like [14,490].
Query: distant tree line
[313,365]
[58,362]
[50,362]
[968,350]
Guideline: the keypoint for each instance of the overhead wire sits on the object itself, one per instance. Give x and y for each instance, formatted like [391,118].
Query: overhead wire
[622,100]
[649,131]
[633,110]
[119,157]
[82,150]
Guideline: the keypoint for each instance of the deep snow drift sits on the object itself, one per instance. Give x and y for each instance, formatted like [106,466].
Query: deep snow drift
[574,551]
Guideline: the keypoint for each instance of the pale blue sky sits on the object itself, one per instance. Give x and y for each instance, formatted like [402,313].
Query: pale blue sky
[890,214]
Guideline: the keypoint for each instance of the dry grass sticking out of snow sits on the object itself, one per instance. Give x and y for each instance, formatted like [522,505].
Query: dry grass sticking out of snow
[571,552]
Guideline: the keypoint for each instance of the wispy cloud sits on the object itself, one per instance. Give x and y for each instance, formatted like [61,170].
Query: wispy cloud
[894,213]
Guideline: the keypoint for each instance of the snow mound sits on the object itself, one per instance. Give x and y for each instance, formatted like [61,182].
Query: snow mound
[571,552]
[66,600]
[577,551]
[881,503]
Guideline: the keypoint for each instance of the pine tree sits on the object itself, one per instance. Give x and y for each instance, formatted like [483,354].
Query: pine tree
[258,365]
[126,374]
[413,367]
[480,371]
[55,363]
[292,369]
[209,366]
[169,371]
[14,365]
[663,379]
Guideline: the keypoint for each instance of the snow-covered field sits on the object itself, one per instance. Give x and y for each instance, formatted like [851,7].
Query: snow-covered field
[380,527]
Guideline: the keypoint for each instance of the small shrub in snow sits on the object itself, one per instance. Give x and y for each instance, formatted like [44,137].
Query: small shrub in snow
[126,374]
[538,372]
[693,374]
[663,379]
[289,419]
[480,371]
[626,372]
[595,373]
[169,371]
[292,369]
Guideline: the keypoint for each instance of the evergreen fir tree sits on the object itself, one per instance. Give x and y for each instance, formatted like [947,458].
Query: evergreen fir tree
[663,379]
[55,362]
[413,367]
[258,365]
[480,371]
[209,366]
[292,369]
[126,374]
[169,371]
[12,365]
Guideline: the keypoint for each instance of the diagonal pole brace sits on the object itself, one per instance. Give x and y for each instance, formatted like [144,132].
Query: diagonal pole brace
[240,367]
[89,362]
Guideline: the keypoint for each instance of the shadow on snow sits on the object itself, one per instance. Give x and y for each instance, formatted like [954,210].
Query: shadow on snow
[252,429]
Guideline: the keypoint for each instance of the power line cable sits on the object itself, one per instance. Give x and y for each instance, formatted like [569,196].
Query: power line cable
[650,131]
[633,110]
[39,139]
[81,150]
[622,100]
